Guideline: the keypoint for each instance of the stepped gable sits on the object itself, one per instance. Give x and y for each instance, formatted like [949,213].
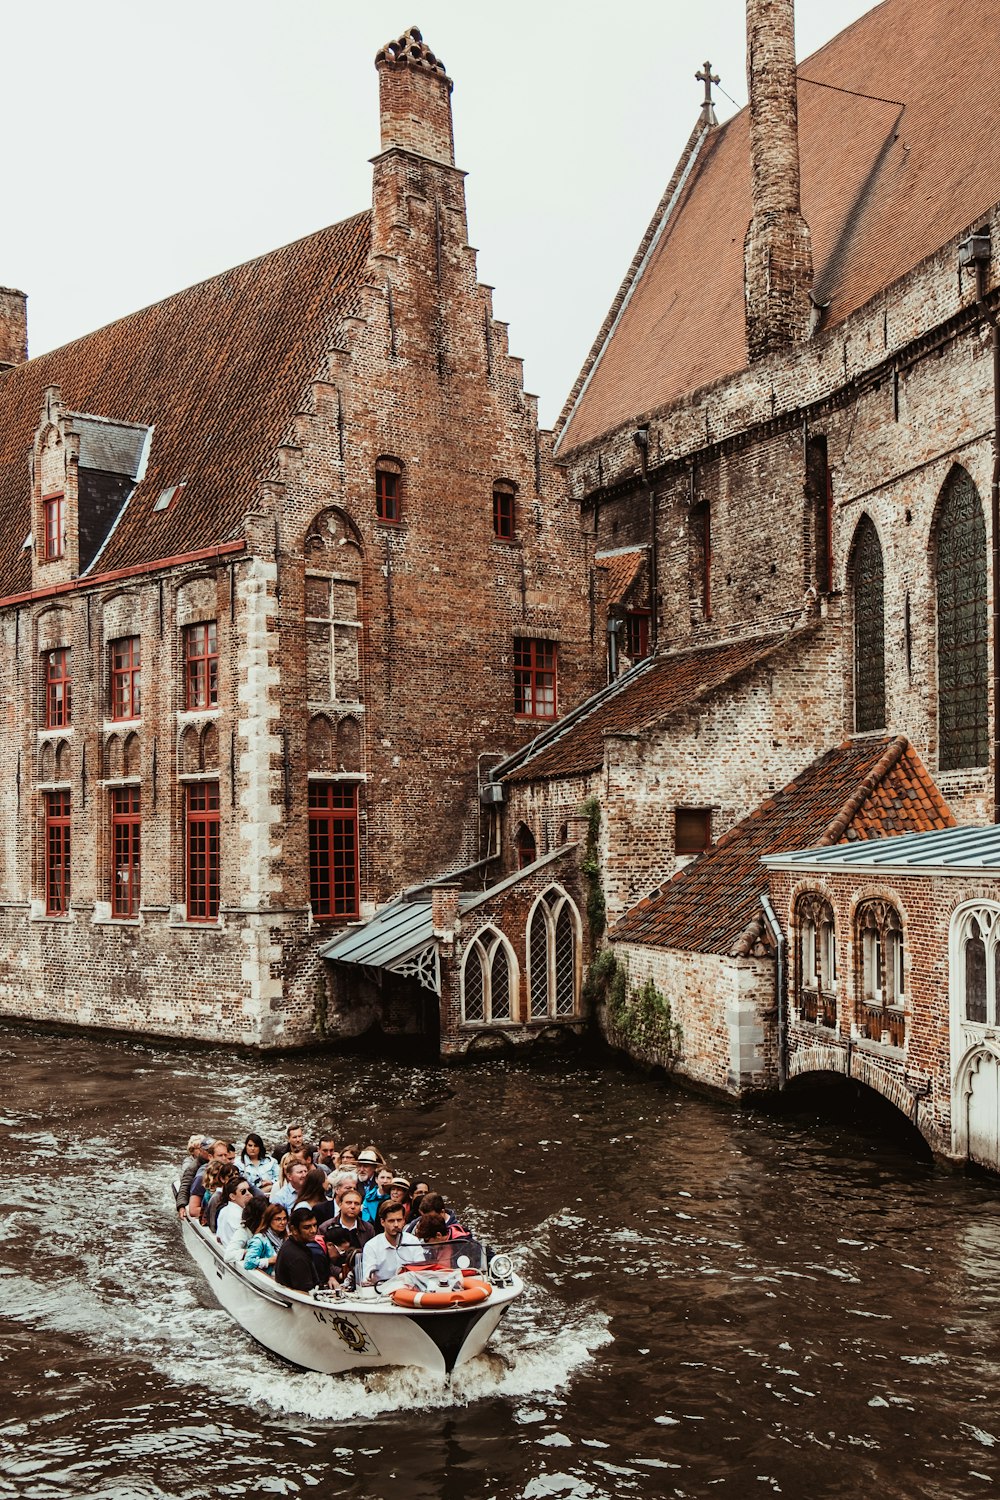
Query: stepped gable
[914,110]
[864,789]
[658,686]
[218,371]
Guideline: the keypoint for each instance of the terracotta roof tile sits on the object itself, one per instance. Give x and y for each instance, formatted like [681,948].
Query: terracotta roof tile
[622,569]
[863,789]
[884,186]
[657,687]
[218,370]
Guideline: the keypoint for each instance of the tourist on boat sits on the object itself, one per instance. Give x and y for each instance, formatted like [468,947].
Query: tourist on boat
[206,1182]
[226,1176]
[343,1256]
[199,1148]
[312,1193]
[339,1183]
[300,1265]
[217,1152]
[374,1200]
[258,1167]
[399,1192]
[380,1258]
[350,1219]
[432,1229]
[236,1194]
[349,1158]
[237,1244]
[326,1157]
[294,1174]
[297,1144]
[262,1251]
[433,1203]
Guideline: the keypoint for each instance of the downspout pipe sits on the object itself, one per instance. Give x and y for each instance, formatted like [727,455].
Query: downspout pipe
[641,439]
[977,250]
[779,986]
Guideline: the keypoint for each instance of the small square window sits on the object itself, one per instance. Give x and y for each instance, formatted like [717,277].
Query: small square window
[692,830]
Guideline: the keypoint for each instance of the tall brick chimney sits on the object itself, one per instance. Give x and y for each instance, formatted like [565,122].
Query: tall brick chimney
[415,99]
[778,246]
[13,328]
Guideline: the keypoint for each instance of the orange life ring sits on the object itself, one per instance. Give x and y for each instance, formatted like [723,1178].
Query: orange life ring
[472,1292]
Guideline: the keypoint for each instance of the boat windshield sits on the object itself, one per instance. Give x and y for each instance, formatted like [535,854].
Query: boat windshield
[461,1254]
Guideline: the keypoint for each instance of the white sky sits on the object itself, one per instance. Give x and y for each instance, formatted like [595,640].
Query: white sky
[148,146]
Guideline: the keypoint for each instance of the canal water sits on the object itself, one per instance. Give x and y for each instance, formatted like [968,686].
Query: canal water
[721,1303]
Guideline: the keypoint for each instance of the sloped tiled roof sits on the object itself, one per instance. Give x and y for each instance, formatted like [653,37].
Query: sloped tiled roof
[622,569]
[218,370]
[865,789]
[884,185]
[657,687]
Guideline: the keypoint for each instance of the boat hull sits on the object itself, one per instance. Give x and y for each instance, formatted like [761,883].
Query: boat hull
[353,1333]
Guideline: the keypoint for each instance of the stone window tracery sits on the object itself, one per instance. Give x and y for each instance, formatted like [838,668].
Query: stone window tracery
[489,979]
[553,950]
[880,1008]
[962,657]
[868,577]
[816,976]
[978,958]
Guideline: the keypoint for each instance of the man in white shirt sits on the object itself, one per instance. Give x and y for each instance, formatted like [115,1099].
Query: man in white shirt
[287,1195]
[381,1258]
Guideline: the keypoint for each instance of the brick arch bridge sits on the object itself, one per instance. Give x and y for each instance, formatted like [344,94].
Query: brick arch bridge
[882,1078]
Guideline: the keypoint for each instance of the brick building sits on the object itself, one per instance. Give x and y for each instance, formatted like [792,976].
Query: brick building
[285,563]
[788,422]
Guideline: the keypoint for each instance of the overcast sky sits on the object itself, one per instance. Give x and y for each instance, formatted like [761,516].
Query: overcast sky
[149,146]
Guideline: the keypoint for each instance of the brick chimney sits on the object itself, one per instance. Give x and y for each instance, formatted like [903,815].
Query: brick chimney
[13,328]
[415,99]
[778,246]
[444,910]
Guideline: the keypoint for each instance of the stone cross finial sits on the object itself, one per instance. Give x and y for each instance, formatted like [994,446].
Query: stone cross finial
[707,77]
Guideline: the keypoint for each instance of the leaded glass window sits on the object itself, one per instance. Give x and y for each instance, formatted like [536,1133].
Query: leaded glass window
[869,628]
[488,978]
[963,671]
[553,951]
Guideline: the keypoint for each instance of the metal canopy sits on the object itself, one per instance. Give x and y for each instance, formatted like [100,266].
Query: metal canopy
[399,938]
[946,851]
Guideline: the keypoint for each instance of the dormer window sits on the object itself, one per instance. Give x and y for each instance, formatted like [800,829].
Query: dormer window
[53,531]
[388,490]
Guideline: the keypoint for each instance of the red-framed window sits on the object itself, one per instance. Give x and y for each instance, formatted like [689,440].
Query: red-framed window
[201,665]
[57,852]
[637,634]
[58,689]
[333,849]
[202,844]
[388,490]
[535,678]
[126,688]
[53,538]
[126,837]
[503,511]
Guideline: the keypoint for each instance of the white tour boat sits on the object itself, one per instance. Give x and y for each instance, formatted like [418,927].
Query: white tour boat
[437,1314]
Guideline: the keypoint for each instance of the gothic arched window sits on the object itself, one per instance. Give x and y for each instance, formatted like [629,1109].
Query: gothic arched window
[881,994]
[962,658]
[817,960]
[489,978]
[976,951]
[868,577]
[553,948]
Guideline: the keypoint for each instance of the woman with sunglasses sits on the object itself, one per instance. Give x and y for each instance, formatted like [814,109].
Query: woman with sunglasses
[236,1194]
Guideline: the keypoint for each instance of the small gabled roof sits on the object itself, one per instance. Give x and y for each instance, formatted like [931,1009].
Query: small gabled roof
[899,136]
[218,371]
[657,687]
[863,790]
[622,567]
